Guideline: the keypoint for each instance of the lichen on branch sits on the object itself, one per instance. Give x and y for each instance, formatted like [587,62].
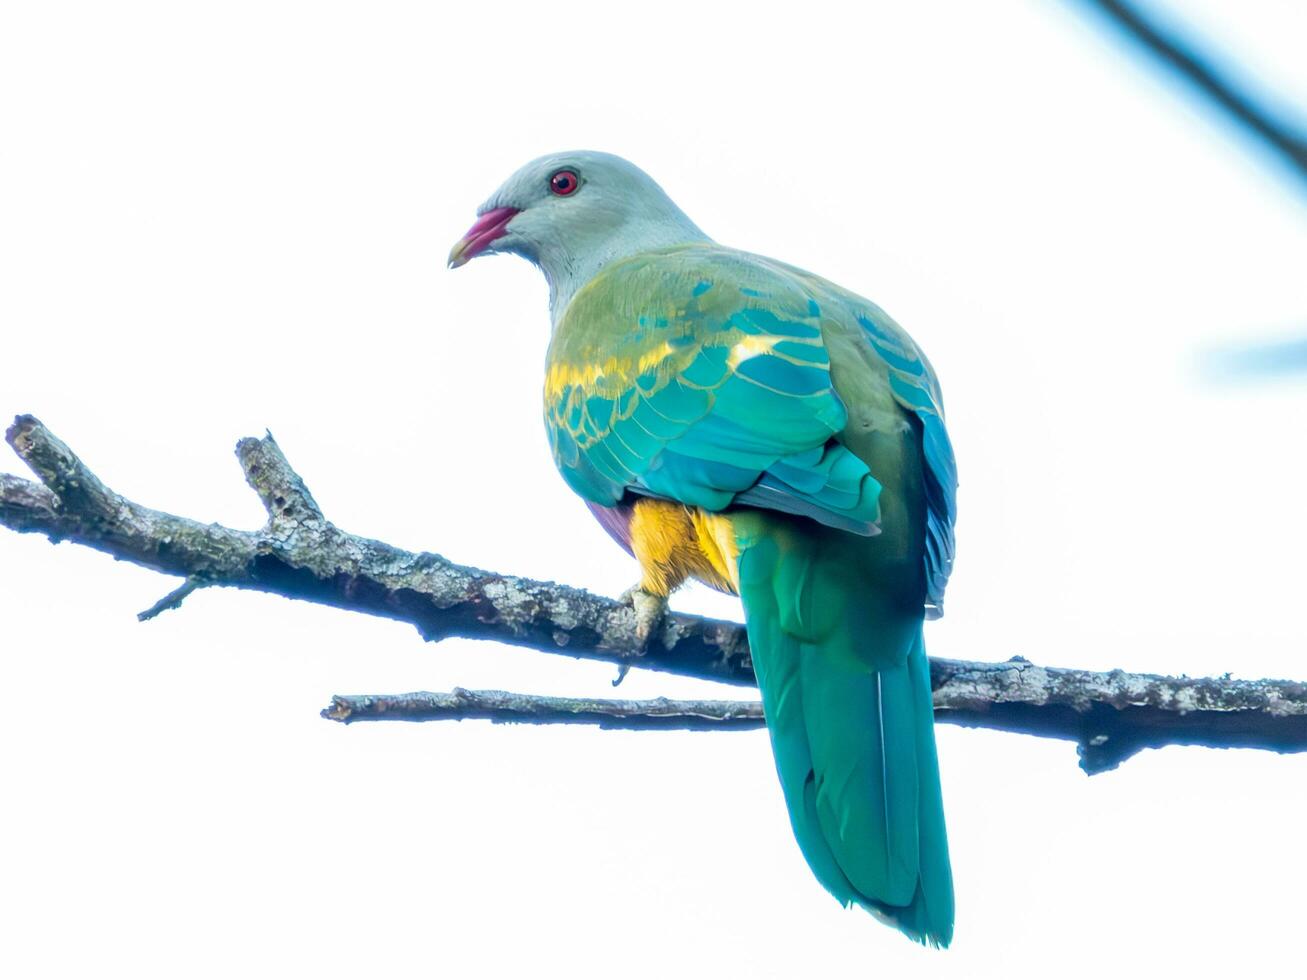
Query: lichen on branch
[300,554]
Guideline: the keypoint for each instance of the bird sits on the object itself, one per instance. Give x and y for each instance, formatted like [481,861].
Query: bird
[738,421]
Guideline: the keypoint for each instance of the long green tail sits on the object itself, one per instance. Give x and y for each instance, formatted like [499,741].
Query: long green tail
[846,690]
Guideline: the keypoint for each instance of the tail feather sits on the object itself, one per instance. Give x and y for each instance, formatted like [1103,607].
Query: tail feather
[932,912]
[854,744]
[865,789]
[778,678]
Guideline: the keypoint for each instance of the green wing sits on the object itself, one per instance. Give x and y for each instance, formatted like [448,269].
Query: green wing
[901,372]
[700,374]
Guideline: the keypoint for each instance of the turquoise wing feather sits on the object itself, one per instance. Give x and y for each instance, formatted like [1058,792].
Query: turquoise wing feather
[693,375]
[702,374]
[714,378]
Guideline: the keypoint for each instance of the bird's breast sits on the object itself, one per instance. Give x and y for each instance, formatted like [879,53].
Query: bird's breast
[674,542]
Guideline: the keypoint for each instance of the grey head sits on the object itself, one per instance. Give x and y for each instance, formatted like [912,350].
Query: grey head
[573,213]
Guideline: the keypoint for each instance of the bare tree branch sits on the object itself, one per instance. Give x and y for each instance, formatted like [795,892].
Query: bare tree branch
[461,704]
[1109,715]
[1201,72]
[301,555]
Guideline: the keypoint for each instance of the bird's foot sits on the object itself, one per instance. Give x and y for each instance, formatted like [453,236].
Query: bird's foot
[649,612]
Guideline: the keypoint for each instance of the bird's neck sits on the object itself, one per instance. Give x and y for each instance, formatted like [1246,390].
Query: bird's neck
[567,270]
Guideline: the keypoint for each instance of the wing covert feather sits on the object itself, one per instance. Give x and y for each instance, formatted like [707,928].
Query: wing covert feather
[700,374]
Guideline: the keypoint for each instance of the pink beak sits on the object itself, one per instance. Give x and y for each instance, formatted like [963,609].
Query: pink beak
[491,225]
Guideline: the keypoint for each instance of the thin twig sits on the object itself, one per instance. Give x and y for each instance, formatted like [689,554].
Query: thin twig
[172,600]
[1110,716]
[461,704]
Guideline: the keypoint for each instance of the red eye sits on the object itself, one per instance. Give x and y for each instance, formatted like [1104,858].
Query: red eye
[563,183]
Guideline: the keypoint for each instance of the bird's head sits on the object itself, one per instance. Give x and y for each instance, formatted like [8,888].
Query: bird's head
[570,213]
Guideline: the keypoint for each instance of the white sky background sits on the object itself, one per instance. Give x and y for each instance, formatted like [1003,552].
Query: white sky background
[212,222]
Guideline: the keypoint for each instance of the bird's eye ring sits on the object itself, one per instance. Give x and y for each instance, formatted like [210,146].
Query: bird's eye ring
[564,183]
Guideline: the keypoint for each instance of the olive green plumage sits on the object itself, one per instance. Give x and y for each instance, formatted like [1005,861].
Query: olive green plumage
[730,382]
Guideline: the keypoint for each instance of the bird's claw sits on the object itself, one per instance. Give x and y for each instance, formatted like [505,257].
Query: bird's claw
[649,612]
